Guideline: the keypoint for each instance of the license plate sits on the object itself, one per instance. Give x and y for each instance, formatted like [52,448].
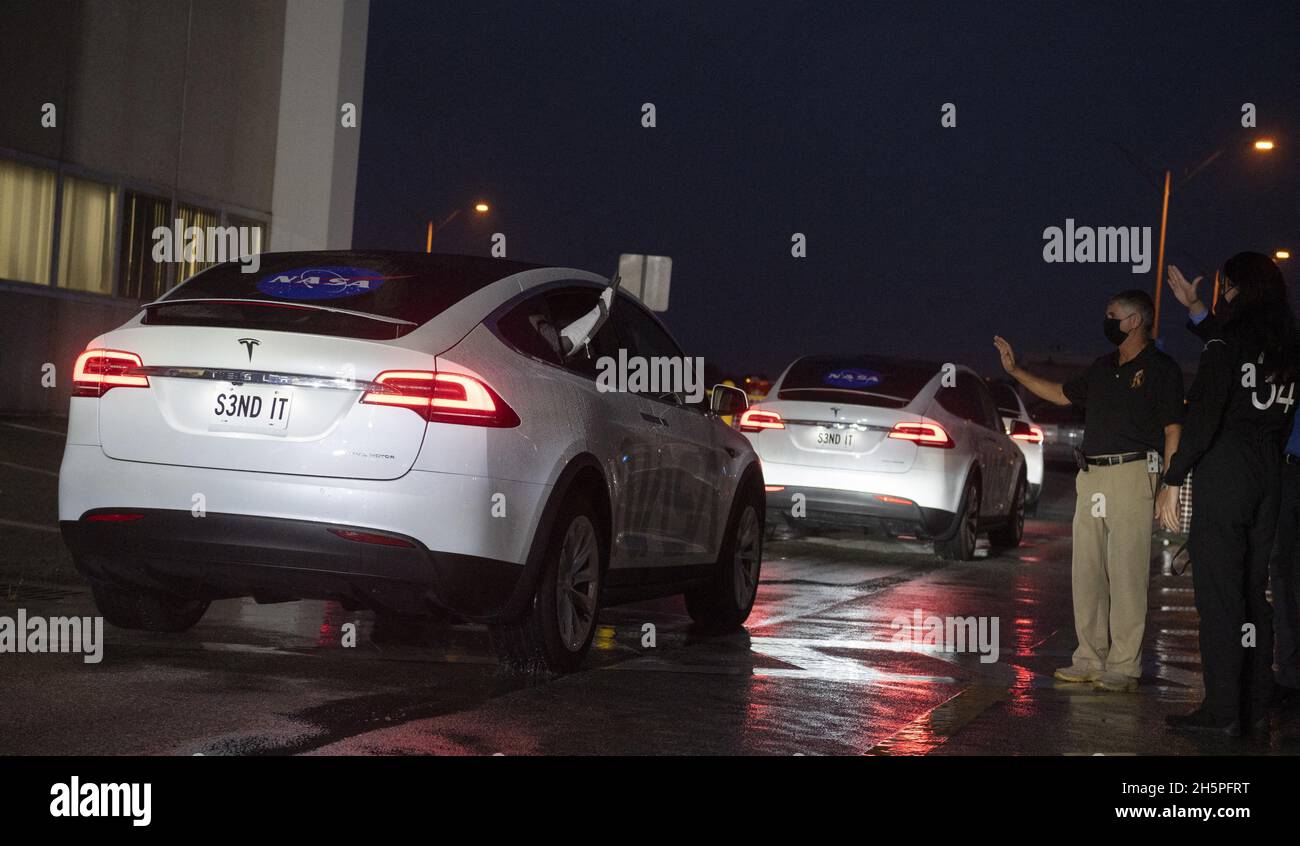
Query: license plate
[251,408]
[835,438]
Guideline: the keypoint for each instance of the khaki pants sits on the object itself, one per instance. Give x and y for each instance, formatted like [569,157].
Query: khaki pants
[1113,519]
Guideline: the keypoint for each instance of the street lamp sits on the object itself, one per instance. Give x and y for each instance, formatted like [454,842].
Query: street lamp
[1262,145]
[479,208]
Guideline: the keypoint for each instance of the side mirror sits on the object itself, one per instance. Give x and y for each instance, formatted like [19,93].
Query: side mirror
[1021,428]
[727,401]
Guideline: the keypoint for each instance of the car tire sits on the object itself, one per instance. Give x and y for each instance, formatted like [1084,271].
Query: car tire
[1008,536]
[144,610]
[725,602]
[959,543]
[555,633]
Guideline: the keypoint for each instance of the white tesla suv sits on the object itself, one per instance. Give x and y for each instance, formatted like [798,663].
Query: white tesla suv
[898,447]
[407,433]
[1028,437]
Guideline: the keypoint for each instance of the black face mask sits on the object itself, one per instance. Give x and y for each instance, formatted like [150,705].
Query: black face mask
[1114,334]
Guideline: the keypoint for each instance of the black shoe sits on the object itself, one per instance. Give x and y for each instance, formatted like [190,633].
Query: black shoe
[1201,720]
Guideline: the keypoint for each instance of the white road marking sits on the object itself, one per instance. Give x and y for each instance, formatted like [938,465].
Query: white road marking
[34,526]
[34,429]
[50,473]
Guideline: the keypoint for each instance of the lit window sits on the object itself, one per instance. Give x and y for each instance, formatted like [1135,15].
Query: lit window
[86,223]
[26,222]
[139,276]
[204,219]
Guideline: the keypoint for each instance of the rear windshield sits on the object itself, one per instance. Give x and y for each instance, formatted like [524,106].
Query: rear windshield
[866,380]
[353,294]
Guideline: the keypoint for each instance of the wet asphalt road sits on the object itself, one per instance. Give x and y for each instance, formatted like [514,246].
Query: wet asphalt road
[822,667]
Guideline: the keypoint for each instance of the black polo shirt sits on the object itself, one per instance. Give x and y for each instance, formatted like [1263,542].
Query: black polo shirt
[1126,407]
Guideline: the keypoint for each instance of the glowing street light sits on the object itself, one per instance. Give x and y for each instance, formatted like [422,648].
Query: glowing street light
[480,208]
[1263,145]
[1282,255]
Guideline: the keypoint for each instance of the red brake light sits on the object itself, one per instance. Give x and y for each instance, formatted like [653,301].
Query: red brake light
[894,500]
[927,433]
[115,517]
[98,371]
[756,419]
[443,398]
[370,537]
[1035,435]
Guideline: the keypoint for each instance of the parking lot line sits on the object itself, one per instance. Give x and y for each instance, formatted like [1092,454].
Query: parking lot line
[34,429]
[34,526]
[43,472]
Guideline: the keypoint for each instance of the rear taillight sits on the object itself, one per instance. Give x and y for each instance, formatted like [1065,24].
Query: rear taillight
[756,419]
[115,517]
[1035,435]
[371,537]
[98,371]
[443,398]
[926,433]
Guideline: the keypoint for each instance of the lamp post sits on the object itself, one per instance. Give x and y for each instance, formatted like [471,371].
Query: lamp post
[479,208]
[1262,145]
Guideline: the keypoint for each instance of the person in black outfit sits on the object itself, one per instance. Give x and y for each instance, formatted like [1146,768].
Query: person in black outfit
[1284,565]
[1238,413]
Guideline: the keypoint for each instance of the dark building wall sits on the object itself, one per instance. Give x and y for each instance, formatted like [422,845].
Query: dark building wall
[174,98]
[131,104]
[40,327]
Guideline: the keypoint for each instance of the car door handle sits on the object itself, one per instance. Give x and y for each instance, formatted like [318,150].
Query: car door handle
[650,418]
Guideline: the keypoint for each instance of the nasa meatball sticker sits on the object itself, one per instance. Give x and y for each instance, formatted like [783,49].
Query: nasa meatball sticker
[321,283]
[851,377]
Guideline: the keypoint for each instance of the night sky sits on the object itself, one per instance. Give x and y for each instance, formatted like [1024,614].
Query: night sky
[824,118]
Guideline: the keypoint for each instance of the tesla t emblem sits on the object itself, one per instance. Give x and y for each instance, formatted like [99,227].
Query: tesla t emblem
[834,410]
[249,343]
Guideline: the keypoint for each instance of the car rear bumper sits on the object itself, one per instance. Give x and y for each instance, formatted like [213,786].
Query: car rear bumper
[931,487]
[267,534]
[448,512]
[228,555]
[878,513]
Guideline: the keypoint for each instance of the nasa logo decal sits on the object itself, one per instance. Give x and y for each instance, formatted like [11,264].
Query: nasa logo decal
[321,283]
[852,377]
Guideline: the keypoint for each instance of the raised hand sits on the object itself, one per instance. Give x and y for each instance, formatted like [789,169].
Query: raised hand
[1005,352]
[1184,291]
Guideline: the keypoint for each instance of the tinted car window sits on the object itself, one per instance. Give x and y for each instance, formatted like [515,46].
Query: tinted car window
[963,400]
[529,328]
[1006,399]
[990,418]
[567,305]
[405,290]
[641,335]
[856,380]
